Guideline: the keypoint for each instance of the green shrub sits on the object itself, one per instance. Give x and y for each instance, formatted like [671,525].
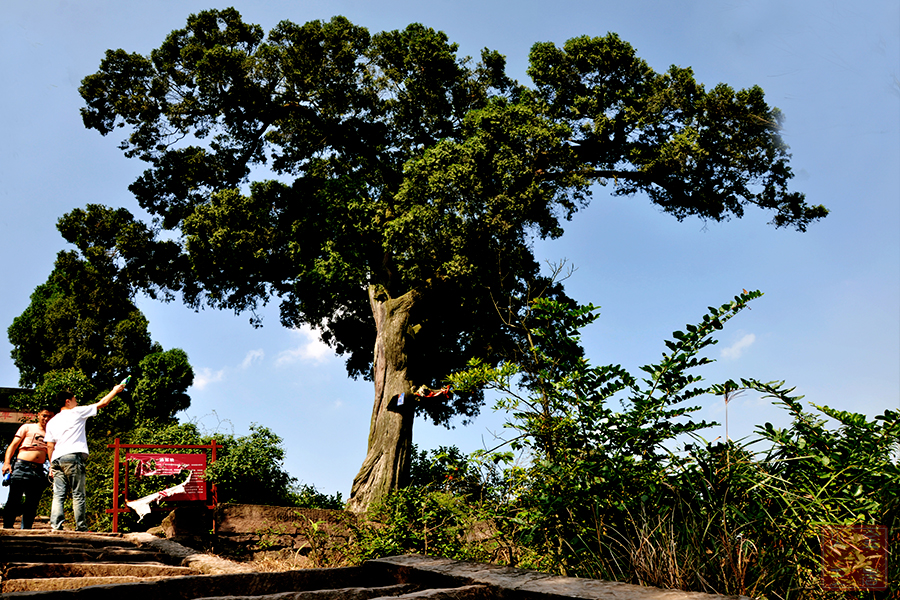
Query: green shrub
[619,485]
[307,496]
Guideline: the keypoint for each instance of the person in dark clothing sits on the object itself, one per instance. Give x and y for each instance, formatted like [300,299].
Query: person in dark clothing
[24,460]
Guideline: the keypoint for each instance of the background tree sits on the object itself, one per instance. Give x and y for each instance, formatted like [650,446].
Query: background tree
[82,331]
[79,318]
[405,184]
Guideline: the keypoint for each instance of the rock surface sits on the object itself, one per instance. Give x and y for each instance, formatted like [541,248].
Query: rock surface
[44,560]
[137,566]
[398,577]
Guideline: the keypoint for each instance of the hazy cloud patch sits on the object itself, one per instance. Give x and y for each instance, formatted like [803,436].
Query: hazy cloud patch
[737,349]
[204,377]
[252,357]
[309,349]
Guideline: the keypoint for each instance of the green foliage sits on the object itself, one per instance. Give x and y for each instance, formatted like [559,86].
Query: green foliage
[81,318]
[323,551]
[44,394]
[449,509]
[854,466]
[821,476]
[161,388]
[693,152]
[420,520]
[447,469]
[307,496]
[605,494]
[250,469]
[599,439]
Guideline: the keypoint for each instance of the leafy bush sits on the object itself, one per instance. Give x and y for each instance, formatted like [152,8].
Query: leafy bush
[307,496]
[619,485]
[416,520]
[450,509]
[249,469]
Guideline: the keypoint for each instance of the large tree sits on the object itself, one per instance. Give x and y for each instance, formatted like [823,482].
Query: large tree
[82,331]
[387,190]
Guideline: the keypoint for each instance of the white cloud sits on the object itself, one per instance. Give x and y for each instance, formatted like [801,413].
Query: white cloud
[204,377]
[252,357]
[737,349]
[311,349]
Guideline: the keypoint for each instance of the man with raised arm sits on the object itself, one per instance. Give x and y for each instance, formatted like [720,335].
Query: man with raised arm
[67,448]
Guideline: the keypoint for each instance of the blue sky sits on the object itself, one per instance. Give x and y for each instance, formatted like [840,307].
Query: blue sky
[829,322]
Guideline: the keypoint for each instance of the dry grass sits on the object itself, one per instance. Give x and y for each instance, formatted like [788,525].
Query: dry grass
[271,564]
[292,560]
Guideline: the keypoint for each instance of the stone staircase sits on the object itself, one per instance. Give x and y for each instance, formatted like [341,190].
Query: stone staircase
[45,564]
[40,560]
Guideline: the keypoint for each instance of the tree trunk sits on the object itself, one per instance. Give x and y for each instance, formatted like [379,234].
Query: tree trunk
[387,462]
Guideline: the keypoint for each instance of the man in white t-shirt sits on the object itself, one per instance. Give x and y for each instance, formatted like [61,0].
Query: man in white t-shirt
[67,447]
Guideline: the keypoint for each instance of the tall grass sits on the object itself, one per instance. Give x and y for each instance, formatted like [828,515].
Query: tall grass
[727,520]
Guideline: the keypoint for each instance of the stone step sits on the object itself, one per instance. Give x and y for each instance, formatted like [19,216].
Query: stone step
[43,561]
[51,584]
[37,538]
[463,592]
[70,555]
[405,591]
[408,577]
[24,570]
[393,592]
[39,523]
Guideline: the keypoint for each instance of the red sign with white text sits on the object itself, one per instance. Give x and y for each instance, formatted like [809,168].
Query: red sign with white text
[173,464]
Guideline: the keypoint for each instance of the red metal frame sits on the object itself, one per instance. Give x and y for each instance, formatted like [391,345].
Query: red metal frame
[211,497]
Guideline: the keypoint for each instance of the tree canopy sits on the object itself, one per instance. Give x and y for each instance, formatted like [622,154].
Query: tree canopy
[83,332]
[385,188]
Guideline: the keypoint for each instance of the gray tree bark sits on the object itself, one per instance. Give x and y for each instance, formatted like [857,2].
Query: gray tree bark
[386,466]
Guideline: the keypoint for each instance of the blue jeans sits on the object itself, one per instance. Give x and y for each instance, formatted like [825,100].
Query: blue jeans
[68,475]
[28,480]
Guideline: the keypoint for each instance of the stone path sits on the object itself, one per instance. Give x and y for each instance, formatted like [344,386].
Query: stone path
[67,565]
[41,559]
[44,560]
